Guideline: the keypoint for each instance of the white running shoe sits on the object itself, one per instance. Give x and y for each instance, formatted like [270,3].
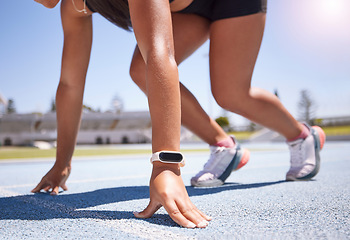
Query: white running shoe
[221,163]
[305,155]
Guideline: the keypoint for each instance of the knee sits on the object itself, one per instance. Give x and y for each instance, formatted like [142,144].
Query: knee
[233,102]
[137,73]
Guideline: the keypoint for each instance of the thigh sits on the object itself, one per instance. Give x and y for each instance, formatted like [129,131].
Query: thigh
[190,32]
[234,47]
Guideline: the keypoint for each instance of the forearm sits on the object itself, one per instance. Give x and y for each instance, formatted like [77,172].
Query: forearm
[69,108]
[164,103]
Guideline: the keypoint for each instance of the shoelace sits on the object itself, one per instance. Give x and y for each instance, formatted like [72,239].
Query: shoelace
[213,157]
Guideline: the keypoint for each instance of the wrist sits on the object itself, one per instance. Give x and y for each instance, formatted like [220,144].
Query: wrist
[161,165]
[63,165]
[160,168]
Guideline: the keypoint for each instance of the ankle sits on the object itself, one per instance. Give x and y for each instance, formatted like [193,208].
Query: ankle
[304,133]
[227,143]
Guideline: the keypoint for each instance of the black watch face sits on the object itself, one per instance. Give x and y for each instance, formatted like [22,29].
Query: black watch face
[172,157]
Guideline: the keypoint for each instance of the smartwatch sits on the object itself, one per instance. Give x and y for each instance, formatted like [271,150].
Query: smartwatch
[168,157]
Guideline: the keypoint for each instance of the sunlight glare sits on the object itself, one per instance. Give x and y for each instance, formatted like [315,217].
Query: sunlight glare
[320,20]
[331,10]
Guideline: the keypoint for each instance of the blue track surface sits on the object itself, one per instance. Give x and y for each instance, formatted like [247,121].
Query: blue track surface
[255,203]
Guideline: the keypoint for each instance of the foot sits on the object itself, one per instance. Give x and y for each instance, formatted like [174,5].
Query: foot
[305,155]
[221,163]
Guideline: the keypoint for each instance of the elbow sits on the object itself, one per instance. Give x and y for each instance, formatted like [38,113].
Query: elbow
[48,4]
[161,60]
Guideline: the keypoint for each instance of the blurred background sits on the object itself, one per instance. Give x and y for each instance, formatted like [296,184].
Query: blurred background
[304,59]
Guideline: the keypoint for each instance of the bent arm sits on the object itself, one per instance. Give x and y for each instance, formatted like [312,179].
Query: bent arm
[77,28]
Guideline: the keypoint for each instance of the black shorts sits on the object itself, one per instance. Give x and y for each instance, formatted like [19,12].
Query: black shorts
[221,9]
[92,10]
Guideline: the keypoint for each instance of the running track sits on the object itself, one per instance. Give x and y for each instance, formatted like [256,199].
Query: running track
[255,203]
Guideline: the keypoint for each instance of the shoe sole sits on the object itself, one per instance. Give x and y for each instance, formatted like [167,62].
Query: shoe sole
[240,159]
[319,140]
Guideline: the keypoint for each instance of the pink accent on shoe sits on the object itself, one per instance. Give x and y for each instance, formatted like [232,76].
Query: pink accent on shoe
[244,160]
[321,134]
[227,143]
[302,135]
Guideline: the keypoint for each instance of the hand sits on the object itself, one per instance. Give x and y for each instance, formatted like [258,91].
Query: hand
[168,190]
[48,3]
[54,179]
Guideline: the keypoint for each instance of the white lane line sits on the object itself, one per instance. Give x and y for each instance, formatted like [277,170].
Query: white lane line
[80,181]
[7,193]
[88,180]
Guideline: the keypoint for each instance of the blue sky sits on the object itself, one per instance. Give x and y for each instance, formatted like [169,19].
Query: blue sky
[306,46]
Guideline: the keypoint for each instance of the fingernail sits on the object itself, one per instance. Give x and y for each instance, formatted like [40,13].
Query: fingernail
[203,224]
[191,225]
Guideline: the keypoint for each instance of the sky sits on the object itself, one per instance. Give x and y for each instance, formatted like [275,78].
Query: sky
[306,45]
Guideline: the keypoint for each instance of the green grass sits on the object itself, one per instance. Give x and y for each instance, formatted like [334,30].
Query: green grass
[337,130]
[25,152]
[329,131]
[241,135]
[31,152]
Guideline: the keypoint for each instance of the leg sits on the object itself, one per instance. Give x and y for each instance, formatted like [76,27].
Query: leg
[234,46]
[190,32]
